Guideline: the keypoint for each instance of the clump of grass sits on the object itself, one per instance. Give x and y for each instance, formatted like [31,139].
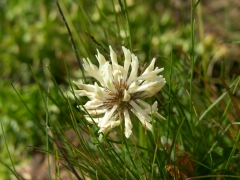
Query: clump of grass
[198,140]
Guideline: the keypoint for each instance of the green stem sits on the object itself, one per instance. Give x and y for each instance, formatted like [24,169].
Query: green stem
[192,58]
[4,137]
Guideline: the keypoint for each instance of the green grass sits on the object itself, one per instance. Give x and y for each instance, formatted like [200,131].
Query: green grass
[39,113]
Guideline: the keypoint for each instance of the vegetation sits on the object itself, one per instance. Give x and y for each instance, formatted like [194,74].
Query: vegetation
[41,51]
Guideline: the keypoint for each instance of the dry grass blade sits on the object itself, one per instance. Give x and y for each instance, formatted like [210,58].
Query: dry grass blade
[212,91]
[235,105]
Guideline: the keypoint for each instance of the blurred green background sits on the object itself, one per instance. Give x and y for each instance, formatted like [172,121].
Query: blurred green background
[33,37]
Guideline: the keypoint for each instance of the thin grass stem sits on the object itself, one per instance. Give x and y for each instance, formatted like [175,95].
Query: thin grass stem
[9,154]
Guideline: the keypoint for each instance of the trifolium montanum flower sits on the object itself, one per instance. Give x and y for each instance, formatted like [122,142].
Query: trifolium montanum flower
[119,91]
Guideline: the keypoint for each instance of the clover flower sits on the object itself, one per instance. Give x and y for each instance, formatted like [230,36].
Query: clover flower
[119,90]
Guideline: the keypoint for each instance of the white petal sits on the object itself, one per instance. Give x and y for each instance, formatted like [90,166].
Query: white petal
[154,107]
[107,116]
[151,88]
[93,104]
[150,67]
[115,65]
[101,59]
[87,87]
[84,93]
[89,67]
[92,70]
[140,111]
[128,124]
[90,120]
[100,92]
[108,82]
[150,109]
[126,96]
[134,69]
[117,76]
[159,79]
[127,62]
[142,119]
[96,112]
[157,115]
[150,75]
[143,104]
[113,56]
[146,87]
[109,126]
[90,95]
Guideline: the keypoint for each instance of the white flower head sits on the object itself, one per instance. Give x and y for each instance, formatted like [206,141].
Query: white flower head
[118,90]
